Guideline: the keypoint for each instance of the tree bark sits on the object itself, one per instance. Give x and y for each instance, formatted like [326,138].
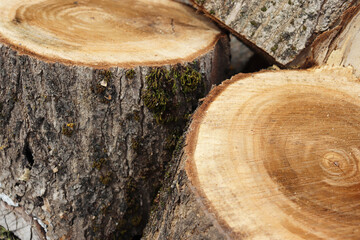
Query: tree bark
[271,155]
[18,223]
[89,115]
[283,31]
[340,46]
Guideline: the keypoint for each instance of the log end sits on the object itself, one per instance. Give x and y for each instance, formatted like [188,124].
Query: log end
[275,155]
[107,33]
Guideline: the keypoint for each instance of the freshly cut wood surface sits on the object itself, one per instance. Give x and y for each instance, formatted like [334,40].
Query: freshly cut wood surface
[344,50]
[275,155]
[282,30]
[93,97]
[108,32]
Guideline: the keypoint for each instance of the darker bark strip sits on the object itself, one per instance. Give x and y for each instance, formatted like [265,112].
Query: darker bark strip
[96,152]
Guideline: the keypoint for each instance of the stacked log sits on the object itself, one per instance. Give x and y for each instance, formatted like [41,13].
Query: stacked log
[286,32]
[94,95]
[271,155]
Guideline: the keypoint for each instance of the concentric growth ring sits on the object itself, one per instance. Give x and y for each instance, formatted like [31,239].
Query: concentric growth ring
[107,32]
[281,161]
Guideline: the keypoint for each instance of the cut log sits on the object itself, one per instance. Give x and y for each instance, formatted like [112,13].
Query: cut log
[94,95]
[340,47]
[283,31]
[106,33]
[272,155]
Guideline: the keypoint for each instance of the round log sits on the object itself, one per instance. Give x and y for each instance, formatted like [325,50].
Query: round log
[94,95]
[106,33]
[272,155]
[282,31]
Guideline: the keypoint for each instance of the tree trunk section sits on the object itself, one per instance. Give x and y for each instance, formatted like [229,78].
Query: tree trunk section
[283,31]
[94,96]
[271,155]
[340,47]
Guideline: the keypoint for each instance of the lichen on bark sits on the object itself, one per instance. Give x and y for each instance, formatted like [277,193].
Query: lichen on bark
[279,29]
[94,152]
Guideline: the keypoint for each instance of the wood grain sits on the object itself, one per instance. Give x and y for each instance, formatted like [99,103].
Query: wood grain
[108,32]
[84,140]
[275,155]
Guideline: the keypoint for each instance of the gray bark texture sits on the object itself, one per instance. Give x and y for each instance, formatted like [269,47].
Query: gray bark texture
[84,150]
[18,223]
[177,212]
[282,30]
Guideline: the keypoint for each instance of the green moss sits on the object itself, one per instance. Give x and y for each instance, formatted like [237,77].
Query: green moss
[156,96]
[106,178]
[130,74]
[190,80]
[264,9]
[136,116]
[135,144]
[101,88]
[162,96]
[100,160]
[274,48]
[7,235]
[68,129]
[107,75]
[212,12]
[304,28]
[98,163]
[254,23]
[95,228]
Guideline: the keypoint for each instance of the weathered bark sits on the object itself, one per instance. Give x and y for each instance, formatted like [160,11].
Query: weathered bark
[83,148]
[340,47]
[271,155]
[284,31]
[177,212]
[18,223]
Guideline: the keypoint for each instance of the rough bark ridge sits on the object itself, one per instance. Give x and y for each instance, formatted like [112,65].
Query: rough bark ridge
[177,212]
[280,29]
[83,149]
[17,223]
[340,46]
